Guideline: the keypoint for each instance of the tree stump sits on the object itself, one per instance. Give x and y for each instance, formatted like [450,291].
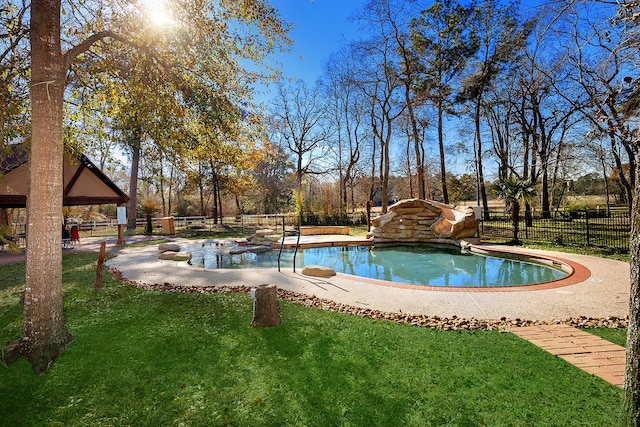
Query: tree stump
[266,312]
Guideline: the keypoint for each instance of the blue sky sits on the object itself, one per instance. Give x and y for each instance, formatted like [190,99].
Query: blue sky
[320,27]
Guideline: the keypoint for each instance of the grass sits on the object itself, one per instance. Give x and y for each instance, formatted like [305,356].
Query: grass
[583,250]
[615,335]
[152,358]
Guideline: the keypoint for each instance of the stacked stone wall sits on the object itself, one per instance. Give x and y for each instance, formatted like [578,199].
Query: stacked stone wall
[417,221]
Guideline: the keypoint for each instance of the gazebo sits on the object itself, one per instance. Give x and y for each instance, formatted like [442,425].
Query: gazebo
[84,182]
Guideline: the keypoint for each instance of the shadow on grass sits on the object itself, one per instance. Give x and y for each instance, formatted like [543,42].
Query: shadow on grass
[154,358]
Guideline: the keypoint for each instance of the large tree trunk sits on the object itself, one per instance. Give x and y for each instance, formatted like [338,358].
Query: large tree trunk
[546,205]
[632,371]
[44,333]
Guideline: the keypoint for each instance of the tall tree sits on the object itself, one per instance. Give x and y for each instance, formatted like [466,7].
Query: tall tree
[348,118]
[592,47]
[629,106]
[44,332]
[443,40]
[392,20]
[500,35]
[300,120]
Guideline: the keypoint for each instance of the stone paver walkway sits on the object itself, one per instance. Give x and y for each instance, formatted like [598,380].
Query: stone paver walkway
[588,352]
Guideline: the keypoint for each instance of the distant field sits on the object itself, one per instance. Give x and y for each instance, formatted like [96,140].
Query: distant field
[591,201]
[594,202]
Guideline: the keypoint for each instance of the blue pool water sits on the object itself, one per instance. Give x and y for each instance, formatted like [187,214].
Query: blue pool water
[419,265]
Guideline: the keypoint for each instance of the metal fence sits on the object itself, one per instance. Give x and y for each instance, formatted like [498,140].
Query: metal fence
[597,228]
[586,228]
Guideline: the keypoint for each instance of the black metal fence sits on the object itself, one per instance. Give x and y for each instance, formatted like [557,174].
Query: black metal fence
[586,228]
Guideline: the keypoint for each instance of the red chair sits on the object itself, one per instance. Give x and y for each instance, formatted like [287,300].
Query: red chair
[75,235]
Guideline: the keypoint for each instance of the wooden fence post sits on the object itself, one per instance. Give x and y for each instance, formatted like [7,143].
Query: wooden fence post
[99,283]
[266,312]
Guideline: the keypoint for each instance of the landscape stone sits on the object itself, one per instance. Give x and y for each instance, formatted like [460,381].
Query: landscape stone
[318,271]
[168,255]
[164,247]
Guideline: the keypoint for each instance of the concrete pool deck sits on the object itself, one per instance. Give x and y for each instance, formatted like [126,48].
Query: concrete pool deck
[604,292]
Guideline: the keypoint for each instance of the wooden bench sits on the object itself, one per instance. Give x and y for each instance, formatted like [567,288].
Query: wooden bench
[312,230]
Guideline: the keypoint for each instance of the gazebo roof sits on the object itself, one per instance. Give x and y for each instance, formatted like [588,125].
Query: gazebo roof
[84,182]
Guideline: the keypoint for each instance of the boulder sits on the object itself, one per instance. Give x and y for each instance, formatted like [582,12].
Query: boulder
[182,256]
[164,247]
[318,271]
[168,255]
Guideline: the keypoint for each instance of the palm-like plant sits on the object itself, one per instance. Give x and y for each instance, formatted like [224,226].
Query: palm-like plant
[514,191]
[148,209]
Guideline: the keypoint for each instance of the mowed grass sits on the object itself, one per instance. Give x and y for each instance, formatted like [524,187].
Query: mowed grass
[157,359]
[615,335]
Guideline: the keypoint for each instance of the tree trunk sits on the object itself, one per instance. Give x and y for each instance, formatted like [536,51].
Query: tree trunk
[481,184]
[416,144]
[631,415]
[266,312]
[5,214]
[606,184]
[133,181]
[410,175]
[384,178]
[632,370]
[149,228]
[219,192]
[546,205]
[44,332]
[443,170]
[515,220]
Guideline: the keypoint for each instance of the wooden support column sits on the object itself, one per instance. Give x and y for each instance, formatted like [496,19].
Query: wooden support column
[120,240]
[122,221]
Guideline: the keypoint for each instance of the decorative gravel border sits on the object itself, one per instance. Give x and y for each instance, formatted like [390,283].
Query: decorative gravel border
[453,323]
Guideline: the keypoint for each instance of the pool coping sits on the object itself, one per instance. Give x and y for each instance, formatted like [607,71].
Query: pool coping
[577,272]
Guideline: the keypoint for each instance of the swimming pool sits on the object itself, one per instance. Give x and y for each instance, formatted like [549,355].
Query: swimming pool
[440,266]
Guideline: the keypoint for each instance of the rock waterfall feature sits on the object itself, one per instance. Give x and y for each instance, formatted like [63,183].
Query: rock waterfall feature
[424,221]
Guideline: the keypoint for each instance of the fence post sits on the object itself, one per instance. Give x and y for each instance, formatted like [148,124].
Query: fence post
[586,217]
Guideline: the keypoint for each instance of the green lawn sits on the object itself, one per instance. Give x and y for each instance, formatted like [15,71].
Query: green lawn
[153,358]
[616,336]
